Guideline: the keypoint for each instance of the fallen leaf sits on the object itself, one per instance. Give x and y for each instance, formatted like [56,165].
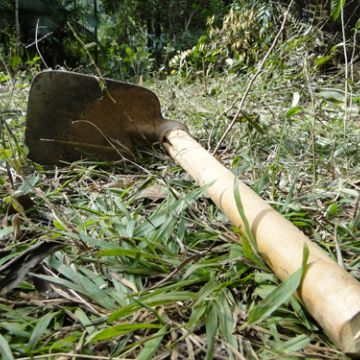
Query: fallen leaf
[122,182]
[125,282]
[153,192]
[15,222]
[19,267]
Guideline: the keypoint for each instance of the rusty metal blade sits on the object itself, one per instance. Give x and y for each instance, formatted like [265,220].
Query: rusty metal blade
[71,116]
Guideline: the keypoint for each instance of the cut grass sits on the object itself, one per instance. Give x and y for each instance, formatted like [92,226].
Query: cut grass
[154,279]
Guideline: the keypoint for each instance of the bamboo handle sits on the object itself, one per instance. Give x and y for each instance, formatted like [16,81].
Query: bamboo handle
[329,293]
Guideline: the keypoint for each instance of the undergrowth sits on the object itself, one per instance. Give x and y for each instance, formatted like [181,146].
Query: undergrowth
[104,260]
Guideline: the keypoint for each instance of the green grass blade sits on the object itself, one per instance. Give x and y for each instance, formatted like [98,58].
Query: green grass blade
[295,344]
[152,300]
[226,321]
[250,247]
[280,295]
[152,345]
[5,350]
[137,254]
[121,329]
[241,211]
[211,324]
[40,329]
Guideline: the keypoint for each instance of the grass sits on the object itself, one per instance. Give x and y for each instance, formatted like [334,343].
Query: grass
[118,274]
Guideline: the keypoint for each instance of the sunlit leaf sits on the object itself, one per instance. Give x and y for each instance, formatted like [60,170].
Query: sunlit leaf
[6,154]
[321,60]
[336,6]
[293,111]
[357,25]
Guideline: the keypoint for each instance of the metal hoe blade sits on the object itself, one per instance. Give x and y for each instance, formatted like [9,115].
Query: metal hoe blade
[71,116]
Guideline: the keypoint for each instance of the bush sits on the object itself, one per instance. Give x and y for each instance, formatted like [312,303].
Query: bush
[243,37]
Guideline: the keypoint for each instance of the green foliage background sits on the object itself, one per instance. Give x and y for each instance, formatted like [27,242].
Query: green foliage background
[137,37]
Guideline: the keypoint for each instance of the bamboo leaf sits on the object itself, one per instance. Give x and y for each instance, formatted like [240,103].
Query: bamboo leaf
[152,345]
[357,25]
[152,300]
[293,111]
[211,325]
[5,350]
[249,242]
[126,252]
[295,344]
[28,184]
[279,295]
[121,329]
[336,6]
[40,329]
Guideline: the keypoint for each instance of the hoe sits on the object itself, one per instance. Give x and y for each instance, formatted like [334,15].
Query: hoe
[71,116]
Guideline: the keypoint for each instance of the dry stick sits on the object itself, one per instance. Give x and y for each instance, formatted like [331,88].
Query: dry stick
[113,146]
[313,143]
[356,207]
[37,41]
[11,79]
[352,59]
[78,38]
[36,44]
[100,77]
[352,68]
[17,27]
[67,355]
[339,256]
[346,79]
[251,82]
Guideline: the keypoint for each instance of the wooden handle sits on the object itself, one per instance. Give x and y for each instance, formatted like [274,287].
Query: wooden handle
[329,293]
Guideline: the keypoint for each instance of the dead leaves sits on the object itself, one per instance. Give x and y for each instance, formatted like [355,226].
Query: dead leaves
[19,267]
[154,192]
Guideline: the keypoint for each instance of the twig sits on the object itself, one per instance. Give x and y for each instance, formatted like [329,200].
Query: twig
[37,41]
[339,256]
[353,58]
[17,27]
[36,44]
[11,79]
[100,78]
[181,266]
[251,82]
[76,355]
[111,143]
[346,79]
[81,42]
[356,207]
[313,143]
